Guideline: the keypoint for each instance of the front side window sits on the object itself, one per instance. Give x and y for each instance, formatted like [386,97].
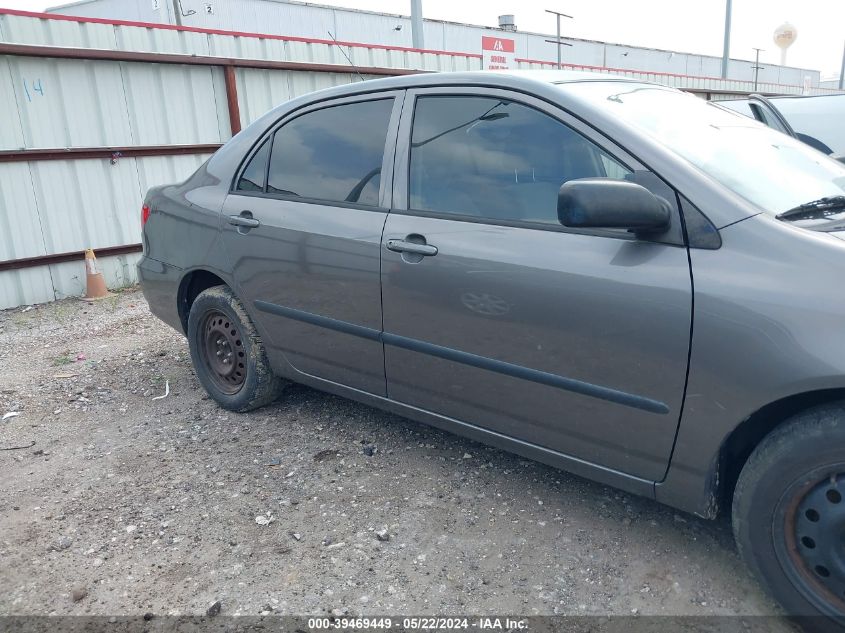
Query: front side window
[496,159]
[334,154]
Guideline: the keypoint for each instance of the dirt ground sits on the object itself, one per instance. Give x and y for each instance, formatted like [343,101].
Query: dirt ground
[128,503]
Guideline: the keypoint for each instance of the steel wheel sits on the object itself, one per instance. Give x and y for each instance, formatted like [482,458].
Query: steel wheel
[812,547]
[223,352]
[789,515]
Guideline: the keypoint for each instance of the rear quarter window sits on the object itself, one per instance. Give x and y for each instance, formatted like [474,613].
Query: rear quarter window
[254,174]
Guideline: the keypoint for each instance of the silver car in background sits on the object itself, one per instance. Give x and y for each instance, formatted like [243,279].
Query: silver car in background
[609,276]
[818,120]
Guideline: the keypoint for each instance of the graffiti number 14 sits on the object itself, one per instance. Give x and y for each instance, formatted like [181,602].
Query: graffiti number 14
[36,88]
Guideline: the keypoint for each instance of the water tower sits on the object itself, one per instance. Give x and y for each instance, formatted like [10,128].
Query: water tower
[785,35]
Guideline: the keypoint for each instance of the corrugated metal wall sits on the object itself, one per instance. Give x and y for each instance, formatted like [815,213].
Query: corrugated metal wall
[59,206]
[655,65]
[71,103]
[49,207]
[314,21]
[260,90]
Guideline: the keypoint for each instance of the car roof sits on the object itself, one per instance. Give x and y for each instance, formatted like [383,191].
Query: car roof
[752,97]
[548,85]
[506,79]
[806,96]
[557,76]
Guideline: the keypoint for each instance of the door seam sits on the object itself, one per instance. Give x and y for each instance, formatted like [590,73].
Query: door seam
[689,347]
[381,241]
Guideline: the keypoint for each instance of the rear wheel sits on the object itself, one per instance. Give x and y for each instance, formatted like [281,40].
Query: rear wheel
[789,515]
[228,355]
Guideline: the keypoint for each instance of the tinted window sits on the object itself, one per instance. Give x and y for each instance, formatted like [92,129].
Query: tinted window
[252,177]
[496,159]
[332,154]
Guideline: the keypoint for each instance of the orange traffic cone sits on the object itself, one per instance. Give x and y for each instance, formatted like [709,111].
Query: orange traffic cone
[95,283]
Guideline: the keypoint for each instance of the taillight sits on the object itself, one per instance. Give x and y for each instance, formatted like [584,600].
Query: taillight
[145,215]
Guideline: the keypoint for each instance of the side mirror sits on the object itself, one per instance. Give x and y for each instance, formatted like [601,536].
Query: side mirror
[605,203]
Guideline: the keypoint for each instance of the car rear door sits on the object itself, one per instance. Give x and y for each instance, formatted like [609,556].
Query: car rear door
[303,231]
[497,316]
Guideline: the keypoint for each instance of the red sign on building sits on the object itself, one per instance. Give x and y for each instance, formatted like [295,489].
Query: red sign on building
[498,53]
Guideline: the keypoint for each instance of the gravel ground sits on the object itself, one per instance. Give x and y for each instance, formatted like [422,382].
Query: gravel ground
[127,504]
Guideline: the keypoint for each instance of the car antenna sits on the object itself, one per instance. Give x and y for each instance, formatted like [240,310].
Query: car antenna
[345,55]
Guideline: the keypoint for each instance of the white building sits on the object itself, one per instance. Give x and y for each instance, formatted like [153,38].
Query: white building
[306,20]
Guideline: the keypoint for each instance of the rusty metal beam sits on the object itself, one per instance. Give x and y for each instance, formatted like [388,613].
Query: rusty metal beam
[232,99]
[62,52]
[59,258]
[12,156]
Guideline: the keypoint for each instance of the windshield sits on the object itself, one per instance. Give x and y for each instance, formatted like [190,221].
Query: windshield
[768,168]
[819,117]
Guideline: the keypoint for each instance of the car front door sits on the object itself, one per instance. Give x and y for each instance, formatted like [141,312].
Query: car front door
[497,316]
[302,227]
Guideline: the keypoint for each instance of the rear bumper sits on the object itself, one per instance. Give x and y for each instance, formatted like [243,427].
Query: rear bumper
[160,285]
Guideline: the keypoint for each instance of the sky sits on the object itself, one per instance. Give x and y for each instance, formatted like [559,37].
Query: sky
[695,26]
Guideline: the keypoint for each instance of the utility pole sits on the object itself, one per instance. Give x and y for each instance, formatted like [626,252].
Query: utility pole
[842,72]
[757,67]
[417,24]
[726,50]
[558,41]
[177,12]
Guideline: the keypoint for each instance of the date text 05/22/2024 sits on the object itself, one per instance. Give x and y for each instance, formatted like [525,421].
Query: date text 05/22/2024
[419,623]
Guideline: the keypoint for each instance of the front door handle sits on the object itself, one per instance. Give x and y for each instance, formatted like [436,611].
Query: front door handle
[245,220]
[403,246]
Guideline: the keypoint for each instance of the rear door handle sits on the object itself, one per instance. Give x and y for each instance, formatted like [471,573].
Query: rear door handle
[244,220]
[403,246]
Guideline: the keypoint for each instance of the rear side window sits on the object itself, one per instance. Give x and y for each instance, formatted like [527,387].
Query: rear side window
[253,175]
[497,159]
[334,154]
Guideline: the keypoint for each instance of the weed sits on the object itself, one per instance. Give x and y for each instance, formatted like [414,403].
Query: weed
[64,359]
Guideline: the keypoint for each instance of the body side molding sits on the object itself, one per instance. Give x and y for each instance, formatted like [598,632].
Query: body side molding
[473,360]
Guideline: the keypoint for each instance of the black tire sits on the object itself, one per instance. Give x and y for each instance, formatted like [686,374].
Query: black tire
[789,516]
[228,354]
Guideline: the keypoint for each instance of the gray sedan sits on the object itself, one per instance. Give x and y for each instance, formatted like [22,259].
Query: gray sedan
[609,276]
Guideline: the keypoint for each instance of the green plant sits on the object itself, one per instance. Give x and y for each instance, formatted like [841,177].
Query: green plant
[64,359]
